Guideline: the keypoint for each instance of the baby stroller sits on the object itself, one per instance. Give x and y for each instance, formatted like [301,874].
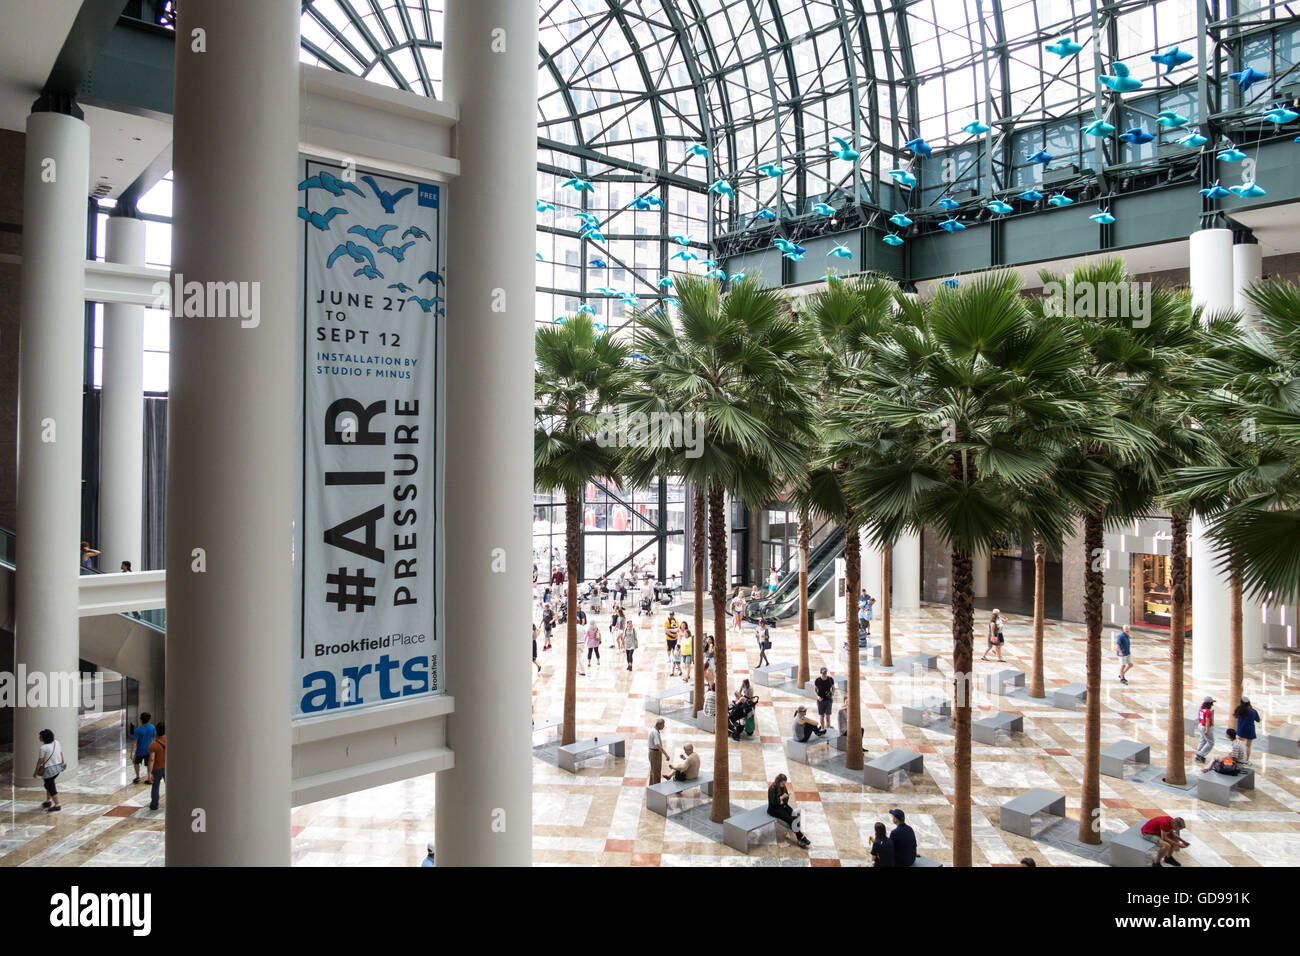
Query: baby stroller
[740,719]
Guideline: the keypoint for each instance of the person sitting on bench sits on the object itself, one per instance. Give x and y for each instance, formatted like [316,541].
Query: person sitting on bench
[745,692]
[688,769]
[778,805]
[1164,833]
[903,837]
[804,728]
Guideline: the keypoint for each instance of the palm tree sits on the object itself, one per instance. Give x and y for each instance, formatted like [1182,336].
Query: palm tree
[734,359]
[1036,686]
[975,404]
[581,375]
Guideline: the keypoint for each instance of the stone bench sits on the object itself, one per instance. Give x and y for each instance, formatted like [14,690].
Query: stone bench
[810,690]
[1192,724]
[985,730]
[869,650]
[546,723]
[736,829]
[997,683]
[922,712]
[705,722]
[1284,741]
[656,795]
[571,754]
[797,750]
[764,675]
[1114,757]
[1017,815]
[1069,696]
[925,861]
[929,662]
[879,773]
[1130,848]
[654,700]
[1218,787]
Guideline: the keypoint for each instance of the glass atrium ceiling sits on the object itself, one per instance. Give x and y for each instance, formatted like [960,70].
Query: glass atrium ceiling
[654,101]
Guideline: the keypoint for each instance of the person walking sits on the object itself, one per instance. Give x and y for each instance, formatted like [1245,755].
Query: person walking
[535,664]
[593,642]
[773,580]
[686,646]
[1205,720]
[629,641]
[764,637]
[49,764]
[657,752]
[1247,717]
[737,610]
[548,625]
[616,629]
[158,760]
[1124,652]
[995,635]
[778,805]
[143,737]
[671,632]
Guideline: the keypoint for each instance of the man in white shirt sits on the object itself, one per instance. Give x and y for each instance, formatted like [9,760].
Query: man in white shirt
[689,768]
[657,752]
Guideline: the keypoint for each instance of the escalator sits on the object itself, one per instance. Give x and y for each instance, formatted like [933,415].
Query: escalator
[784,602]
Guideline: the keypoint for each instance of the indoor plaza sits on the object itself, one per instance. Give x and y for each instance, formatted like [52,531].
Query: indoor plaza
[913,389]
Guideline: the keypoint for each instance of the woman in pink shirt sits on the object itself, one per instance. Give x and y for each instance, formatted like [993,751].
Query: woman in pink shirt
[593,641]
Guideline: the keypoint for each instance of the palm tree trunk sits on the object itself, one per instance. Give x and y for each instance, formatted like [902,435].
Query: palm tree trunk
[803,597]
[852,582]
[718,549]
[1234,637]
[699,545]
[572,548]
[1036,688]
[963,633]
[1090,804]
[886,586]
[1175,749]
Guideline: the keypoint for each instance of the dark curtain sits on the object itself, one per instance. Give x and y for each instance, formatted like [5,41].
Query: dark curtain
[153,541]
[91,403]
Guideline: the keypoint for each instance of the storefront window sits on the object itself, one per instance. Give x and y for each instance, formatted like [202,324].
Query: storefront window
[1153,585]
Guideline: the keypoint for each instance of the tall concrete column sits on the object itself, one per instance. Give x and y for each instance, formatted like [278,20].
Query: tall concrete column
[1247,269]
[121,461]
[980,574]
[52,329]
[907,572]
[484,806]
[1211,277]
[230,454]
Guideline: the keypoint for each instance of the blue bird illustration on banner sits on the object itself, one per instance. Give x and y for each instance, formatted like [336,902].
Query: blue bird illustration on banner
[890,239]
[901,220]
[386,199]
[398,252]
[1119,79]
[1214,191]
[952,225]
[370,272]
[401,287]
[432,277]
[1173,57]
[920,147]
[1135,136]
[846,151]
[350,249]
[330,183]
[321,220]
[416,232]
[1171,119]
[1064,47]
[1247,78]
[425,304]
[1102,217]
[375,235]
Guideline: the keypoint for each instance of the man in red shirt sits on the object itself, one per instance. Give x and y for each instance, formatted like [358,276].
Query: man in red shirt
[1164,833]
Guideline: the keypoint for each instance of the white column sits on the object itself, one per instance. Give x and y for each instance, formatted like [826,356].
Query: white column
[907,572]
[230,455]
[1247,268]
[52,329]
[484,805]
[980,572]
[1211,276]
[121,462]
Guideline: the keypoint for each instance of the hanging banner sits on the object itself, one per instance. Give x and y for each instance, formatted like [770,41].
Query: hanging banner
[372,258]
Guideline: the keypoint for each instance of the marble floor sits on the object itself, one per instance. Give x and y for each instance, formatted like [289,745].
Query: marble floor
[597,816]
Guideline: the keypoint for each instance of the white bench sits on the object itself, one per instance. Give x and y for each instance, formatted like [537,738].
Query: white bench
[570,755]
[925,861]
[985,730]
[546,723]
[997,683]
[656,795]
[929,662]
[737,828]
[869,650]
[797,750]
[1122,752]
[1069,696]
[1192,724]
[922,712]
[1218,787]
[1017,815]
[705,722]
[654,700]
[879,773]
[764,675]
[1284,741]
[1130,848]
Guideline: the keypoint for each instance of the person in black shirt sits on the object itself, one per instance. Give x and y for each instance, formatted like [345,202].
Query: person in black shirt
[825,688]
[548,625]
[903,839]
[778,805]
[882,850]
